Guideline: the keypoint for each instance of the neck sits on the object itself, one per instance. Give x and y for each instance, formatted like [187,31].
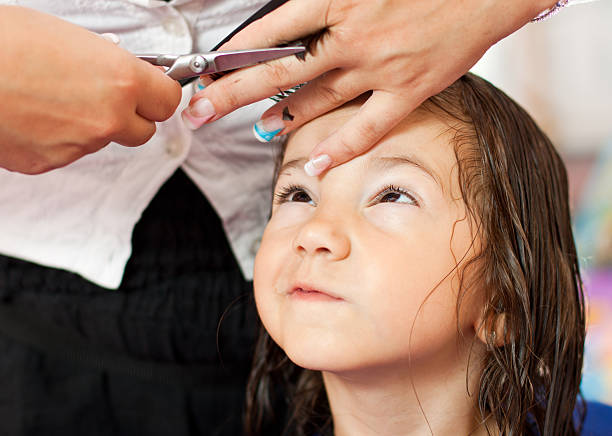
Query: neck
[393,401]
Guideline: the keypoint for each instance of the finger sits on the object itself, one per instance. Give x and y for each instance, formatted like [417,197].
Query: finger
[136,132]
[158,95]
[291,21]
[379,114]
[319,96]
[250,85]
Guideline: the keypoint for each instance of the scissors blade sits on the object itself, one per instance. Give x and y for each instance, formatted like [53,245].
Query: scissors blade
[232,60]
[164,60]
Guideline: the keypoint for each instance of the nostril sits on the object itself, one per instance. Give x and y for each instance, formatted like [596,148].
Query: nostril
[321,237]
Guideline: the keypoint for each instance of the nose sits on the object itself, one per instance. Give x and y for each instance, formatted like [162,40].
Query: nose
[321,236]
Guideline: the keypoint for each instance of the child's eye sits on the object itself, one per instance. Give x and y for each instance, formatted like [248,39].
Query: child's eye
[293,194]
[395,194]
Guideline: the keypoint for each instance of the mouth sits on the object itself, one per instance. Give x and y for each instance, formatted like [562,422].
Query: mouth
[311,294]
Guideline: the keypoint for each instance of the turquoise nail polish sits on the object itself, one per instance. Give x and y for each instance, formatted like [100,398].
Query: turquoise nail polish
[198,85]
[261,134]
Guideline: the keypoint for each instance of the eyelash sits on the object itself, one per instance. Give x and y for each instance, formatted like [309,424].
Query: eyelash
[285,193]
[392,189]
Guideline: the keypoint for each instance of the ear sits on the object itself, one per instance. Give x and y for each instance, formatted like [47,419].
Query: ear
[491,329]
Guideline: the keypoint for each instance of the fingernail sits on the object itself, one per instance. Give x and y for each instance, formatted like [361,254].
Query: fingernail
[202,83]
[199,85]
[111,37]
[198,113]
[267,128]
[317,165]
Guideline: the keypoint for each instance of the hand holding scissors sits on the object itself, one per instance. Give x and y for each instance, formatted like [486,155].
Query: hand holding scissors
[184,67]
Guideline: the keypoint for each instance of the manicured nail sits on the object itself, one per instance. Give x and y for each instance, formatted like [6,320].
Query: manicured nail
[317,165]
[267,128]
[198,113]
[111,37]
[202,83]
[199,85]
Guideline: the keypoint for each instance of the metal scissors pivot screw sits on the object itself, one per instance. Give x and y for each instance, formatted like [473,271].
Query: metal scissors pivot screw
[198,64]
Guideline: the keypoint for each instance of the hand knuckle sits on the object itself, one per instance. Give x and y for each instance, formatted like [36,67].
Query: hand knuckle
[228,97]
[367,131]
[331,95]
[363,137]
[107,129]
[127,82]
[347,147]
[277,73]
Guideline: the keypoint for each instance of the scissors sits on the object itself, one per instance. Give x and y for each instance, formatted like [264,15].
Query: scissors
[181,67]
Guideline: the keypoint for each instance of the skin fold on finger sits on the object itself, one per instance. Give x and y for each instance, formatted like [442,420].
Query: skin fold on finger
[291,21]
[319,96]
[381,112]
[137,131]
[252,84]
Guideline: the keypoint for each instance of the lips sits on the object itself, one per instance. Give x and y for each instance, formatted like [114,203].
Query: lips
[310,292]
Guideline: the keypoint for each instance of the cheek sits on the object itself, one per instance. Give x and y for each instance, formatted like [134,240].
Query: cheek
[393,218]
[268,279]
[412,272]
[411,247]
[290,214]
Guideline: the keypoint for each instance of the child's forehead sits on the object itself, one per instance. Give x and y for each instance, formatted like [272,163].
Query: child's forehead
[421,134]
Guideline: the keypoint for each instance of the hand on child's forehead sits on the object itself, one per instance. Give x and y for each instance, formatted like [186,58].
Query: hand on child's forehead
[421,139]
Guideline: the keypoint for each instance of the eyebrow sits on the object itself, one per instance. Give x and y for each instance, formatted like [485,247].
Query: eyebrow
[295,163]
[386,162]
[383,162]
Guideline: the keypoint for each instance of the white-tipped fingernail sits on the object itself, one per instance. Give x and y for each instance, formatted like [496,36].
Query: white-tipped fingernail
[198,113]
[111,37]
[267,128]
[317,165]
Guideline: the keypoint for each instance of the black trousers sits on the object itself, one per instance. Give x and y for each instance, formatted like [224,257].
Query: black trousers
[183,304]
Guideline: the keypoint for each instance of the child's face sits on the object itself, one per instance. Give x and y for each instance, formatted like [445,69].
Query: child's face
[348,260]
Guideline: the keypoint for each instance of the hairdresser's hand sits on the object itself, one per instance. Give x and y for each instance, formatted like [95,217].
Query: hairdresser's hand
[66,92]
[402,50]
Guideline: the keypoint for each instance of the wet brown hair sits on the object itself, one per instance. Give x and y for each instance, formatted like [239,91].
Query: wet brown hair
[514,185]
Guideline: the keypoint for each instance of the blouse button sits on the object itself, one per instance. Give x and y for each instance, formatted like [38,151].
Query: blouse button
[174,26]
[174,148]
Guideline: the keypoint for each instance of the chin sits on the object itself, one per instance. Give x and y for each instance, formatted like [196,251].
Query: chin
[321,358]
[315,363]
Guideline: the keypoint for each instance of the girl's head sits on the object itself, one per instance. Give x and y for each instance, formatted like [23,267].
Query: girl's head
[444,253]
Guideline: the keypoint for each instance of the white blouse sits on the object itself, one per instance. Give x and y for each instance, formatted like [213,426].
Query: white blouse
[80,218]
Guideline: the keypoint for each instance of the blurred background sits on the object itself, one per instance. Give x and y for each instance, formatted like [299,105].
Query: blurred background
[560,70]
